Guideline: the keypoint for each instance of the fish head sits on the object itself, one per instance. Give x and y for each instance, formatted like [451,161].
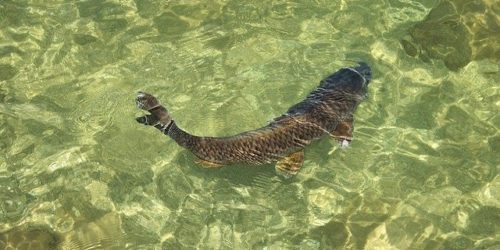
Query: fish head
[365,71]
[352,80]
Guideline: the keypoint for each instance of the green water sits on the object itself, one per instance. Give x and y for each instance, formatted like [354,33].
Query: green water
[77,171]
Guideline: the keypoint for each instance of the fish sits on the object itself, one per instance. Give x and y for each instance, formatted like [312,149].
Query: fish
[326,111]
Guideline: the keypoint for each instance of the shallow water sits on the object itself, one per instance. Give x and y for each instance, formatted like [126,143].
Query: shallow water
[77,171]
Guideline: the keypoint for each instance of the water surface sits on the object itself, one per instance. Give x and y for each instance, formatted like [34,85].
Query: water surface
[77,171]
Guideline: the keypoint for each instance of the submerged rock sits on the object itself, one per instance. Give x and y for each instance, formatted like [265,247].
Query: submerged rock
[30,237]
[456,32]
[7,72]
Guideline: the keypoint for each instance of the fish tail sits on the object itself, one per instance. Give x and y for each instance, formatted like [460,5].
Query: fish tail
[158,117]
[161,119]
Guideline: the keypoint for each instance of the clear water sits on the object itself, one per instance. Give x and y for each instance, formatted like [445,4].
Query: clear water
[77,171]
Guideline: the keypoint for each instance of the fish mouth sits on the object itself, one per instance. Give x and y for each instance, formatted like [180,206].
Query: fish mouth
[364,71]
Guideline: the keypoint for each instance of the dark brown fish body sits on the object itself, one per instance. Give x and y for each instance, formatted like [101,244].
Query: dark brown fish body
[327,110]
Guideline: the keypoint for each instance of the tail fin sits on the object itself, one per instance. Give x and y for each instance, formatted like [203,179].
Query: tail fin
[159,117]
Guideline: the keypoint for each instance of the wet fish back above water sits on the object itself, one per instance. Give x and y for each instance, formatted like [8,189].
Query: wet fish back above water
[327,110]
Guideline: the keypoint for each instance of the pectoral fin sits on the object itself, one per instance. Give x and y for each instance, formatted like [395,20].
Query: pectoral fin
[290,165]
[343,133]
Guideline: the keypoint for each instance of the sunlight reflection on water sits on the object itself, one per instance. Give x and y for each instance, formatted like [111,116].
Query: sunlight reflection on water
[77,172]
